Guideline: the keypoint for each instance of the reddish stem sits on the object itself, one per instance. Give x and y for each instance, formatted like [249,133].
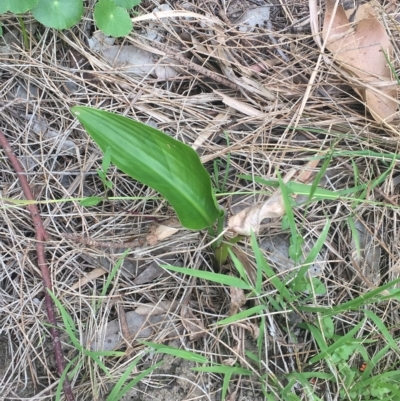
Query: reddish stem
[41,236]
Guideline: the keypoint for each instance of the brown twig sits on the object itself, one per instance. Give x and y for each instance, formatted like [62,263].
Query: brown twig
[41,236]
[192,66]
[99,244]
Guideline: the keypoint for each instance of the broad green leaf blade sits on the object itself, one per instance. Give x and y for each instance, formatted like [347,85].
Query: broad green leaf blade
[105,164]
[157,160]
[210,276]
[17,6]
[127,3]
[58,14]
[111,19]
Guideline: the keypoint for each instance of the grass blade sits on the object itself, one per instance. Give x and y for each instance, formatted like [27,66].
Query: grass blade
[210,276]
[242,315]
[179,353]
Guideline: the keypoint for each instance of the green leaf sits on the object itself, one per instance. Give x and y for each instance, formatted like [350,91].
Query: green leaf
[179,353]
[58,14]
[242,315]
[227,371]
[317,287]
[118,386]
[157,160]
[135,381]
[239,267]
[17,6]
[127,3]
[223,369]
[111,19]
[269,272]
[63,377]
[210,276]
[105,164]
[112,275]
[91,201]
[382,328]
[327,352]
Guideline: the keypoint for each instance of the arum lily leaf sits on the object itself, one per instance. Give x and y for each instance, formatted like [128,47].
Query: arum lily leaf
[157,160]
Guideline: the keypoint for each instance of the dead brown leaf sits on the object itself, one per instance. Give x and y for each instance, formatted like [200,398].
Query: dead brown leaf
[250,219]
[158,232]
[151,272]
[238,299]
[93,274]
[359,47]
[192,324]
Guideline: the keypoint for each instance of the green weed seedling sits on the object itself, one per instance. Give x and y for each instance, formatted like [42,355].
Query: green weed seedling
[353,382]
[111,16]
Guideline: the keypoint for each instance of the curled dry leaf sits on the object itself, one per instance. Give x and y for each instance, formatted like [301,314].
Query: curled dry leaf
[158,232]
[238,299]
[253,329]
[192,324]
[93,274]
[249,219]
[360,47]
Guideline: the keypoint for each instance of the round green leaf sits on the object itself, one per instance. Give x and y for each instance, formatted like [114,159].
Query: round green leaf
[111,19]
[59,14]
[127,3]
[157,160]
[17,6]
